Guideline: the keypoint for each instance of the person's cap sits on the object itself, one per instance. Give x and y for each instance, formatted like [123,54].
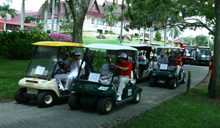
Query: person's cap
[139,51]
[108,56]
[77,53]
[123,55]
[161,53]
[73,51]
[66,53]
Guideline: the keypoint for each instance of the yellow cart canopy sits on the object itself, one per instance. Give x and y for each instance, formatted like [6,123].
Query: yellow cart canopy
[57,44]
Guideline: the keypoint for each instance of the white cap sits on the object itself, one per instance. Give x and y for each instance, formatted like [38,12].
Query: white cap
[73,51]
[66,53]
[77,53]
[123,55]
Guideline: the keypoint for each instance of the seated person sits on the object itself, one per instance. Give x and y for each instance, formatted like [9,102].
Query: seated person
[124,76]
[105,69]
[142,60]
[162,59]
[65,60]
[71,76]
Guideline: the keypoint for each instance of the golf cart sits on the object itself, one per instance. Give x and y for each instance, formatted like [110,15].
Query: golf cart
[190,55]
[39,83]
[203,55]
[142,72]
[94,90]
[167,74]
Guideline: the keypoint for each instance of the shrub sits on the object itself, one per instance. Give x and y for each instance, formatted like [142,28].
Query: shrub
[17,44]
[60,37]
[157,36]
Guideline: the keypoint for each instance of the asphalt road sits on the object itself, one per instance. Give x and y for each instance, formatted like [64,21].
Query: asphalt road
[13,115]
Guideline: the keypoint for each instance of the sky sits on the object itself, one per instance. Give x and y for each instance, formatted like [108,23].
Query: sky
[34,5]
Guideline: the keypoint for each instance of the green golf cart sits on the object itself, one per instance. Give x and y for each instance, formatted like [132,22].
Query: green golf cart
[39,83]
[94,90]
[167,74]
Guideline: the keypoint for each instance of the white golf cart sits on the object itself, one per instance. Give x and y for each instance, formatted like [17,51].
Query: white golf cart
[142,72]
[39,83]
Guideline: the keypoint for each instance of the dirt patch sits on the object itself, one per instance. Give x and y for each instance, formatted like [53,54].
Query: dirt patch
[205,82]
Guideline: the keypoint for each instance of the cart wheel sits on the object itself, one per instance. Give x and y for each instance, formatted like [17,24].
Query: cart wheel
[73,101]
[19,96]
[152,82]
[46,99]
[105,105]
[173,83]
[136,98]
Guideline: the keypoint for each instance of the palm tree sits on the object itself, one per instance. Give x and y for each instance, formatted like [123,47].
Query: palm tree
[22,14]
[174,32]
[4,10]
[45,11]
[110,16]
[58,16]
[52,17]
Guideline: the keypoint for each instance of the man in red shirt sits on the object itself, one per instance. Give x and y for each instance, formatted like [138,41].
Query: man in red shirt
[211,67]
[184,49]
[124,76]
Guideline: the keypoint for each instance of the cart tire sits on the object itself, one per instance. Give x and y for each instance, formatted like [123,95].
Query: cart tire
[46,99]
[74,102]
[152,82]
[173,83]
[105,105]
[136,98]
[19,96]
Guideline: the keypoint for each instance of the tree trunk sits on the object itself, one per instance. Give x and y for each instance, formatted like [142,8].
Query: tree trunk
[144,37]
[172,33]
[139,36]
[58,22]
[121,32]
[5,23]
[45,17]
[22,14]
[151,34]
[216,76]
[53,10]
[165,35]
[79,9]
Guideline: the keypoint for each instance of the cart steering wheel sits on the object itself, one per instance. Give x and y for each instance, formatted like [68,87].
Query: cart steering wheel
[62,66]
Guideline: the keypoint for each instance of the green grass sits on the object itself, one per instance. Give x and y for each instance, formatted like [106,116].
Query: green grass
[108,40]
[11,71]
[195,110]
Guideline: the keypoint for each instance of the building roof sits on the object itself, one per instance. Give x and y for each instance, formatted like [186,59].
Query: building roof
[17,23]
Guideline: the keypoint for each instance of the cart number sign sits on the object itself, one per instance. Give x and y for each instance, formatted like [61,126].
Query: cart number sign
[94,77]
[39,70]
[129,92]
[163,66]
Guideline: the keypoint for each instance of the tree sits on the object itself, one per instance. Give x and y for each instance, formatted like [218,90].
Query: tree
[201,40]
[157,36]
[52,16]
[4,10]
[22,14]
[110,16]
[58,16]
[78,9]
[189,40]
[29,19]
[174,32]
[45,11]
[215,93]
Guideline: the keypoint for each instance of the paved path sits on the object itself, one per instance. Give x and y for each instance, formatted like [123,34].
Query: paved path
[13,115]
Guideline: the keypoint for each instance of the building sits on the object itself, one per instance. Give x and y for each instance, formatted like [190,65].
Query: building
[93,19]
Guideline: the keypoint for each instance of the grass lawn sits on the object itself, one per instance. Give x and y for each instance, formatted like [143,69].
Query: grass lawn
[108,40]
[11,71]
[195,110]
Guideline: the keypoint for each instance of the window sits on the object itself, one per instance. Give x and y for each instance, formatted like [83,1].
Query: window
[93,21]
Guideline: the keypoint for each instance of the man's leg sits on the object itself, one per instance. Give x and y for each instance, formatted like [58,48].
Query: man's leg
[71,77]
[123,80]
[60,77]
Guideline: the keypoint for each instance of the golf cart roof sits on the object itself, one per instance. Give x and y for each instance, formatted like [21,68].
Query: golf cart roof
[204,47]
[57,44]
[139,46]
[110,47]
[154,44]
[168,47]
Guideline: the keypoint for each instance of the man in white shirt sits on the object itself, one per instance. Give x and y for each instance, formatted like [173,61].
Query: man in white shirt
[105,67]
[74,66]
[65,60]
[162,59]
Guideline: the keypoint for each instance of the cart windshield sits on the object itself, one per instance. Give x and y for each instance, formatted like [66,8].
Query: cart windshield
[43,62]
